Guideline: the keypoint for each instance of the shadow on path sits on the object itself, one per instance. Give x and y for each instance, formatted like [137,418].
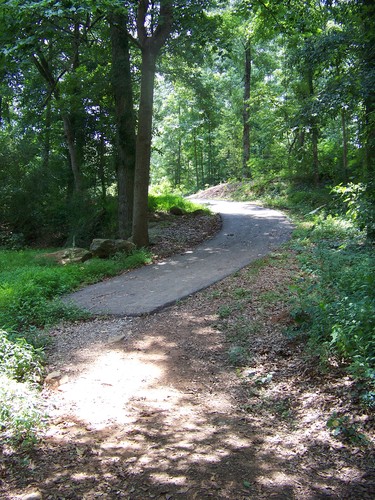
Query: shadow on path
[248,233]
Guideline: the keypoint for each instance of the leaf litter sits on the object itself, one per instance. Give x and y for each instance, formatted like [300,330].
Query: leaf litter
[156,407]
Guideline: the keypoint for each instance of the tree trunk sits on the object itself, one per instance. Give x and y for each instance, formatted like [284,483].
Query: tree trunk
[47,137]
[196,167]
[143,149]
[69,120]
[101,171]
[125,122]
[246,172]
[344,146]
[74,162]
[314,131]
[151,39]
[177,176]
[368,61]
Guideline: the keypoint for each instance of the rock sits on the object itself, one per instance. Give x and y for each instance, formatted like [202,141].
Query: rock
[34,495]
[124,246]
[118,338]
[68,256]
[53,376]
[176,211]
[105,248]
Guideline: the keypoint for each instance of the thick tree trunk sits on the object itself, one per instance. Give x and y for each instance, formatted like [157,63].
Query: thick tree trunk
[125,122]
[151,39]
[246,172]
[143,149]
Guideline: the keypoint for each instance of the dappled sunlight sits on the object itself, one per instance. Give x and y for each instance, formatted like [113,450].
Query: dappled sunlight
[99,394]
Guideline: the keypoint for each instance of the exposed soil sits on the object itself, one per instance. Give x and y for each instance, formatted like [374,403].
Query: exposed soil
[206,399]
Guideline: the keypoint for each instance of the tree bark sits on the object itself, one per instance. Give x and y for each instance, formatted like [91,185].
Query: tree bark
[196,166]
[47,137]
[344,146]
[368,62]
[246,172]
[151,40]
[314,130]
[101,171]
[125,122]
[73,156]
[44,69]
[143,150]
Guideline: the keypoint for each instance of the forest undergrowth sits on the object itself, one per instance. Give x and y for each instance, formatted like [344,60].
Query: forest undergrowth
[331,302]
[30,292]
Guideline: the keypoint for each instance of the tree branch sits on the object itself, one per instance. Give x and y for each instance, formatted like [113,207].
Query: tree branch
[141,21]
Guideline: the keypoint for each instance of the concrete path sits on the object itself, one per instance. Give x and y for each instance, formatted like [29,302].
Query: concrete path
[249,232]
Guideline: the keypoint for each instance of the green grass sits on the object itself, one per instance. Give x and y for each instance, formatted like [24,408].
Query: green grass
[30,286]
[334,303]
[164,202]
[30,289]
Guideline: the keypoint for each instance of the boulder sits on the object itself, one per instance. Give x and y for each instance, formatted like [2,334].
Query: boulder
[105,248]
[176,211]
[69,255]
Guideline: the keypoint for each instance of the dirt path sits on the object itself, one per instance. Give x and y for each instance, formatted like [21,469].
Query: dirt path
[206,399]
[153,407]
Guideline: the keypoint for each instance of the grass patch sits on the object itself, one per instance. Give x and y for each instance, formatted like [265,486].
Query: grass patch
[30,286]
[29,303]
[164,202]
[332,298]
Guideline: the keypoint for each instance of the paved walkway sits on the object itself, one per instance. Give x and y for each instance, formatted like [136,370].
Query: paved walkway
[249,232]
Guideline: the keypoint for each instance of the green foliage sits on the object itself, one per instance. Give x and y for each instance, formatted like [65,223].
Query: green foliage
[237,355]
[225,311]
[335,303]
[30,286]
[164,202]
[359,203]
[343,429]
[21,412]
[19,360]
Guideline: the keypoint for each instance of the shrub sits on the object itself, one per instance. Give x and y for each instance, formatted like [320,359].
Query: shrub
[21,413]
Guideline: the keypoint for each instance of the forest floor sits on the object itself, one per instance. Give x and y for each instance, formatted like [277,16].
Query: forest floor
[206,399]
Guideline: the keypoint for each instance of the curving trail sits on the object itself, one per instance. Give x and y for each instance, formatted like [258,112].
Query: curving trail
[249,232]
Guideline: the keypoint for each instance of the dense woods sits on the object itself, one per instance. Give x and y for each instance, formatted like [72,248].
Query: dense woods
[99,101]
[279,93]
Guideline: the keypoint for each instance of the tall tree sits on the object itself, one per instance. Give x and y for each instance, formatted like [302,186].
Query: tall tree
[246,111]
[154,24]
[125,120]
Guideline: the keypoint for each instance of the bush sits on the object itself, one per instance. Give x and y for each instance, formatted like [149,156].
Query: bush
[19,360]
[337,300]
[21,413]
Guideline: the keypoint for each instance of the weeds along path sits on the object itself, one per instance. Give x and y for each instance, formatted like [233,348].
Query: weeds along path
[205,399]
[249,231]
[160,406]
